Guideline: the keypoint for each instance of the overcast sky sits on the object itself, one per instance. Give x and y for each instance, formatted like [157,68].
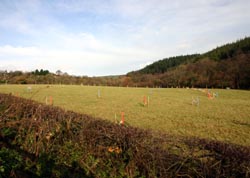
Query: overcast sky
[109,37]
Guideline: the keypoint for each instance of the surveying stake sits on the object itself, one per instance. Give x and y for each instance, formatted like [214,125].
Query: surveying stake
[116,119]
[195,101]
[209,95]
[99,93]
[144,100]
[51,100]
[122,119]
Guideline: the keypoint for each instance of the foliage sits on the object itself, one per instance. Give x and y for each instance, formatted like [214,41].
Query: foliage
[41,72]
[229,50]
[226,51]
[10,161]
[164,65]
[70,143]
[225,66]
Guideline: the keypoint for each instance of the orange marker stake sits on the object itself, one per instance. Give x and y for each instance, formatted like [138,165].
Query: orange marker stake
[51,100]
[209,95]
[144,100]
[122,118]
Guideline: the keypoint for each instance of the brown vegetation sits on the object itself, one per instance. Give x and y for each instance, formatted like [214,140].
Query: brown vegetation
[56,143]
[225,66]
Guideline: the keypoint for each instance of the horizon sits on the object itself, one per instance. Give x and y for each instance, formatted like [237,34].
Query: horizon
[111,75]
[91,39]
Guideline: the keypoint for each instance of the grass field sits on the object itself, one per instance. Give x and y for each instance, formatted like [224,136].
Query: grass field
[226,118]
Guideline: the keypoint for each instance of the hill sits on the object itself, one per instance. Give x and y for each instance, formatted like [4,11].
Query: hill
[225,66]
[164,65]
[222,67]
[220,53]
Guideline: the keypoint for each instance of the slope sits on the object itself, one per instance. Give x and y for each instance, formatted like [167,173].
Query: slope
[225,66]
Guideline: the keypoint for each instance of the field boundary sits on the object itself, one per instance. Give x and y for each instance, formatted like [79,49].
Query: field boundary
[98,148]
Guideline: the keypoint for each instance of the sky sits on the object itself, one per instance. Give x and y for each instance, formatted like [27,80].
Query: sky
[113,37]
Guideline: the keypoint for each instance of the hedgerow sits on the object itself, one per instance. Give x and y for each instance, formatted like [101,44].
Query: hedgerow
[47,141]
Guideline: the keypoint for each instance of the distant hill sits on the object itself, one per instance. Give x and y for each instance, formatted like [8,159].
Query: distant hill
[224,66]
[220,53]
[164,65]
[229,50]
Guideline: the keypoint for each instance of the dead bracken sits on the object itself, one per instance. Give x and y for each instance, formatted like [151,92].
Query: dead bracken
[56,143]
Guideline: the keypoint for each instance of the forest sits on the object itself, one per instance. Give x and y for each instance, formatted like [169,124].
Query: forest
[227,66]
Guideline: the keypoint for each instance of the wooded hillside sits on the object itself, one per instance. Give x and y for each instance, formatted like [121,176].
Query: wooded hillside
[225,66]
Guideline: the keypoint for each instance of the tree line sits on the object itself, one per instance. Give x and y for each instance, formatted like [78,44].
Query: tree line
[225,66]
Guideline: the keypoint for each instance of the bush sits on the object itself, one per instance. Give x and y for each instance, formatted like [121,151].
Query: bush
[61,143]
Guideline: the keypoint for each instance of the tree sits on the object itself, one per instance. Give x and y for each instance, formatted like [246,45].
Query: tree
[59,72]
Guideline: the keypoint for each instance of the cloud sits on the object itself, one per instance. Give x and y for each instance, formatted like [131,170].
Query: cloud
[9,50]
[184,45]
[81,59]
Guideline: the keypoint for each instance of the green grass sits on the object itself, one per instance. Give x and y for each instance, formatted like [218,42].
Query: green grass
[226,118]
